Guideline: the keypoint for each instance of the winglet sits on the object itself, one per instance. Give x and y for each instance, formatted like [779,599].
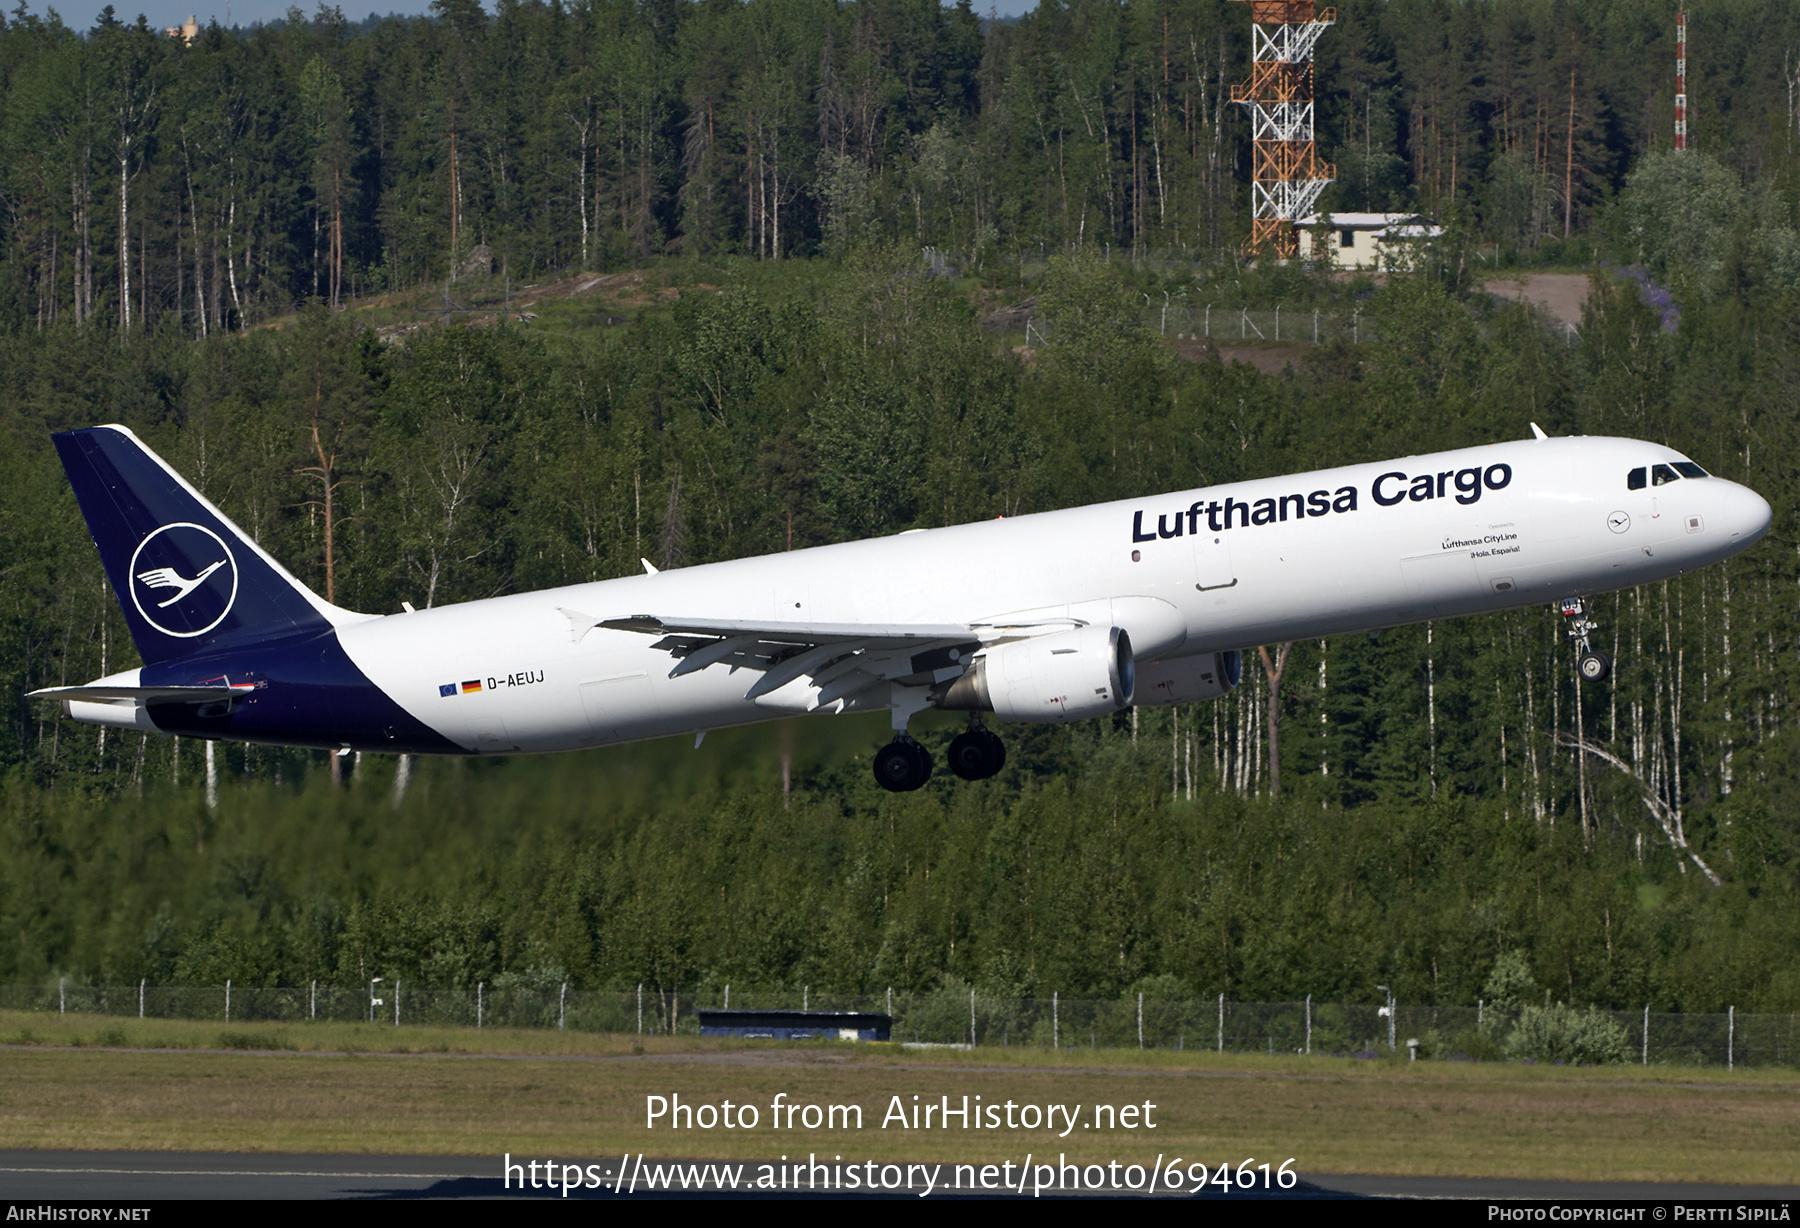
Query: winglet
[1538,431]
[649,567]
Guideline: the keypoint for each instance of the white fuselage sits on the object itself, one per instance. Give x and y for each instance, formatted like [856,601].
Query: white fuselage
[1355,551]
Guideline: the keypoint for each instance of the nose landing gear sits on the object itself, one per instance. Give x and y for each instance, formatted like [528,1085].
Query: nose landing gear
[1592,664]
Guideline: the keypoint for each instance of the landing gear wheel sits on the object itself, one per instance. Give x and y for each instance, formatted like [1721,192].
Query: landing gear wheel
[902,766]
[977,754]
[1592,664]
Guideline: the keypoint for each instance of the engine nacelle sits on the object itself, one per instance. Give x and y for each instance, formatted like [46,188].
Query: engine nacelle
[1188,680]
[1057,678]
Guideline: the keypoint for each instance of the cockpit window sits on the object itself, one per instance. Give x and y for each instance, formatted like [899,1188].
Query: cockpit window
[1688,469]
[1637,479]
[1662,475]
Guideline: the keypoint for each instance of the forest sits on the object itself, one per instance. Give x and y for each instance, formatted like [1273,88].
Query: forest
[234,247]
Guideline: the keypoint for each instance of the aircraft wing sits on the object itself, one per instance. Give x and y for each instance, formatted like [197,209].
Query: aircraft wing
[840,659]
[796,633]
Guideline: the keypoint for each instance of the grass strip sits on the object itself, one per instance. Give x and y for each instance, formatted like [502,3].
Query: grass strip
[583,1096]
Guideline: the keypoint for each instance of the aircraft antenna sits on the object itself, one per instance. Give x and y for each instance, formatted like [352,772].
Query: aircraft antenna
[1681,78]
[1286,176]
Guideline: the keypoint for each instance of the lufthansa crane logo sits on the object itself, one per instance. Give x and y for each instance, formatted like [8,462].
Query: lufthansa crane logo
[184,580]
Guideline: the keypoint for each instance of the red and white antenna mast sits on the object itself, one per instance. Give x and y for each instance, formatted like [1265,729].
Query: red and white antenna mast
[1681,78]
[1286,174]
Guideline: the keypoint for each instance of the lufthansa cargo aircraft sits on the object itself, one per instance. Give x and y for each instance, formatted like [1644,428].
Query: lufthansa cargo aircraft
[1052,617]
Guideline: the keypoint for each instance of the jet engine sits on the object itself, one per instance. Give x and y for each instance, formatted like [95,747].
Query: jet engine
[1057,678]
[1187,680]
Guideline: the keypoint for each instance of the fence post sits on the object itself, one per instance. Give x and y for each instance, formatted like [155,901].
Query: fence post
[479,985]
[562,1006]
[890,1005]
[1278,321]
[1309,1025]
[1209,320]
[971,1019]
[1646,1033]
[727,997]
[140,999]
[1315,328]
[1140,1021]
[1478,1005]
[1730,1036]
[62,995]
[312,1002]
[396,1001]
[640,1008]
[227,999]
[1055,1022]
[1221,1023]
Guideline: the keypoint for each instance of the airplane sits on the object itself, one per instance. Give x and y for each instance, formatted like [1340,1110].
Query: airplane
[1050,617]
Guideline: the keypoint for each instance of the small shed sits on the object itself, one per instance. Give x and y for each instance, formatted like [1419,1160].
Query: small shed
[797,1025]
[1362,240]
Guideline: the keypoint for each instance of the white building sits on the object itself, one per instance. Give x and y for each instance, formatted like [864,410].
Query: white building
[1364,240]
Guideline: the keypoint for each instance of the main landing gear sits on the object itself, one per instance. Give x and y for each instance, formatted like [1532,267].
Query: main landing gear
[903,765]
[1592,664]
[978,753]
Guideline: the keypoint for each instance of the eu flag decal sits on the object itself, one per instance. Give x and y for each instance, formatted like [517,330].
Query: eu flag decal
[448,689]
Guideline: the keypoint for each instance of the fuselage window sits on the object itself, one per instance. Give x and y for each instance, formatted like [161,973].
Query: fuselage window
[1688,469]
[1637,479]
[1662,475]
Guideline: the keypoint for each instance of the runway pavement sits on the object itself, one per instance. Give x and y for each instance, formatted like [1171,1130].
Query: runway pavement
[119,1177]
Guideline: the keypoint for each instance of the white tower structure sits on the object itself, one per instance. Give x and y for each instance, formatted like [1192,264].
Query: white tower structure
[1681,79]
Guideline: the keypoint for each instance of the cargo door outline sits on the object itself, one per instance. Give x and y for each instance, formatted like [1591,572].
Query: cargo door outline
[1441,582]
[488,736]
[616,702]
[1214,574]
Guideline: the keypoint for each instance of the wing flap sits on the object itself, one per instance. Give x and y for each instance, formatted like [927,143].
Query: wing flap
[840,659]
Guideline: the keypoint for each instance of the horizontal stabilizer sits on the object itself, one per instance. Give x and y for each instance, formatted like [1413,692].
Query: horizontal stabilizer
[145,694]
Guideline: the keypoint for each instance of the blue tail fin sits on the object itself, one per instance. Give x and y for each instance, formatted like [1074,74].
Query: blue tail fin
[188,580]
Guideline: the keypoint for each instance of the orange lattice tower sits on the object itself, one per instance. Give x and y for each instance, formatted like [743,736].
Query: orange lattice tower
[1286,176]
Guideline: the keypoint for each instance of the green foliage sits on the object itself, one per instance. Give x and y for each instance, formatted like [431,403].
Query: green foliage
[1095,325]
[1510,985]
[1687,216]
[308,158]
[1429,821]
[1560,1033]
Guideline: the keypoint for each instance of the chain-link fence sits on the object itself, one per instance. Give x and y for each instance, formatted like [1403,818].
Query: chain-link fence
[1228,324]
[1551,1033]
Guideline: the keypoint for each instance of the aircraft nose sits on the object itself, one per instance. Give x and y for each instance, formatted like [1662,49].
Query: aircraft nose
[1748,515]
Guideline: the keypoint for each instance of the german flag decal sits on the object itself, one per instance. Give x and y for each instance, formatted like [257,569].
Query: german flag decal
[467,687]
